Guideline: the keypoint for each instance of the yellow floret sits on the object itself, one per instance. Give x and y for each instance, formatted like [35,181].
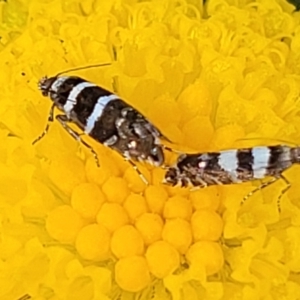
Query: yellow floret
[135,205]
[292,248]
[132,273]
[93,242]
[194,101]
[206,225]
[208,198]
[150,227]
[225,136]
[178,207]
[112,216]
[102,278]
[156,197]
[67,172]
[205,130]
[9,247]
[178,233]
[170,121]
[100,174]
[163,259]
[116,189]
[206,254]
[127,241]
[64,223]
[87,198]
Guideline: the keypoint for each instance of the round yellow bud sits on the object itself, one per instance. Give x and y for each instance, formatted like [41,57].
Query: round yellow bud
[156,196]
[63,224]
[127,241]
[206,225]
[135,205]
[150,226]
[132,273]
[178,233]
[87,199]
[163,259]
[112,216]
[206,254]
[178,207]
[116,189]
[208,198]
[177,191]
[93,242]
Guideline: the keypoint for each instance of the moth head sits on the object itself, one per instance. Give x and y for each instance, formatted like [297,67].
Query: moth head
[45,84]
[172,176]
[58,88]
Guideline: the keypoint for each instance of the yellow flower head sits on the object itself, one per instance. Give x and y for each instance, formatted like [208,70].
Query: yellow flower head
[209,76]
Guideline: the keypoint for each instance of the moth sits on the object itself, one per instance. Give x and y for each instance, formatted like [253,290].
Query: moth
[105,117]
[234,166]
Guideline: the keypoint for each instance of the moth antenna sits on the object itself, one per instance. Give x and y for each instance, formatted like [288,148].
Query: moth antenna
[83,68]
[270,139]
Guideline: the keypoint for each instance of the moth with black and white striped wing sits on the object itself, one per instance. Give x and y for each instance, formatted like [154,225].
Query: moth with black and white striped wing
[233,166]
[105,117]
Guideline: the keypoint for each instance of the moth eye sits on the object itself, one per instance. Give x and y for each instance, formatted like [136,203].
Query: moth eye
[154,151]
[156,156]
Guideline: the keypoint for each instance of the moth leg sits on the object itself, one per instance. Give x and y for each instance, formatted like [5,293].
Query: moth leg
[197,187]
[25,297]
[262,186]
[136,169]
[50,120]
[63,120]
[288,186]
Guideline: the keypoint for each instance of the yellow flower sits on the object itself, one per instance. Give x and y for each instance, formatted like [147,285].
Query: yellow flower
[210,76]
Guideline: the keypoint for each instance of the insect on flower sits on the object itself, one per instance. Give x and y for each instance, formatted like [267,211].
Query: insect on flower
[234,166]
[105,117]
